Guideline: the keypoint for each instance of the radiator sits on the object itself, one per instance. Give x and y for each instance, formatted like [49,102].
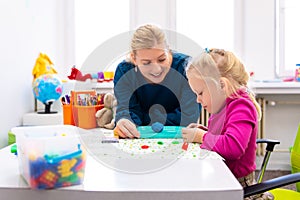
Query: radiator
[260,151]
[204,117]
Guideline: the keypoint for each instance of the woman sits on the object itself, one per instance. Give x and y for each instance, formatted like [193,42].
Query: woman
[151,86]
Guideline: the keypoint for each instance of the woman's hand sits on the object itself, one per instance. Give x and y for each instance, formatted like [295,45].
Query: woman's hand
[126,129]
[193,133]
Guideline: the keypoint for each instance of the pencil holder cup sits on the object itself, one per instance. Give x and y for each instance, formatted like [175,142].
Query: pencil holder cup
[86,116]
[68,114]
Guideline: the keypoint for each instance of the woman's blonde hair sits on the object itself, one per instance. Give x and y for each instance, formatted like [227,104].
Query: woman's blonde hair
[217,63]
[146,37]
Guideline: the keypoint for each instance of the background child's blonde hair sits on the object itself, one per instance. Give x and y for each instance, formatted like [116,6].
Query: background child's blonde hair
[217,63]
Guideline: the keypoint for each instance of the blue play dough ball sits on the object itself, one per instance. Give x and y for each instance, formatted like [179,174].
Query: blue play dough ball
[157,127]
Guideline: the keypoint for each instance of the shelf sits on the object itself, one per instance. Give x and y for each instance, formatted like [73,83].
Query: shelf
[275,87]
[88,85]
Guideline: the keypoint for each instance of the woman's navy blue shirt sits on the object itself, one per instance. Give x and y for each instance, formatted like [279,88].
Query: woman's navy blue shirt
[171,102]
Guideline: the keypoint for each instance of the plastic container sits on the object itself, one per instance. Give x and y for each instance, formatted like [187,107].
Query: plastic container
[85,104]
[86,116]
[297,73]
[50,156]
[68,114]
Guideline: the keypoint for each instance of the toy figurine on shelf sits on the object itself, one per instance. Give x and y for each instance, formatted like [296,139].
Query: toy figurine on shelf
[77,75]
[46,85]
[297,73]
[43,65]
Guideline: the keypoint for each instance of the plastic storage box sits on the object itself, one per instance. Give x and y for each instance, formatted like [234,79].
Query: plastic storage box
[50,156]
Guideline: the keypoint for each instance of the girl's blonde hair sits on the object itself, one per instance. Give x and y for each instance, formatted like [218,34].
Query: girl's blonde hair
[217,63]
[146,37]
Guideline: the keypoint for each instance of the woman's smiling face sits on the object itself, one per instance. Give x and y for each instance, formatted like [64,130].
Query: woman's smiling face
[153,63]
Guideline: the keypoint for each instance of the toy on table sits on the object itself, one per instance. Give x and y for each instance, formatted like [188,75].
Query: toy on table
[13,149]
[110,140]
[167,132]
[53,171]
[157,127]
[185,146]
[105,116]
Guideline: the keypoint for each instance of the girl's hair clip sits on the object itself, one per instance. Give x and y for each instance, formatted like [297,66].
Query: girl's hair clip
[207,50]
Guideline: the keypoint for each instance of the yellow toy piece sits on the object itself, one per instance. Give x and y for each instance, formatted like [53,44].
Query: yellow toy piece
[43,65]
[65,167]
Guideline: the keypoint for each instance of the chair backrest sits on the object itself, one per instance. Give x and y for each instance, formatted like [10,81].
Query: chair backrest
[275,183]
[296,147]
[269,149]
[295,156]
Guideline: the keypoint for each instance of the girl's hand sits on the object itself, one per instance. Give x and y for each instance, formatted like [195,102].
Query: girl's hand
[195,125]
[126,129]
[193,133]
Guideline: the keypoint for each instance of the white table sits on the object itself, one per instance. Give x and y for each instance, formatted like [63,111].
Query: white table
[183,178]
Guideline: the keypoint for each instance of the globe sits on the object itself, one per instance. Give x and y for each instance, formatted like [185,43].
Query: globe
[47,88]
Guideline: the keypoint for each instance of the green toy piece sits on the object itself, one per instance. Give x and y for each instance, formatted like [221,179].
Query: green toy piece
[13,149]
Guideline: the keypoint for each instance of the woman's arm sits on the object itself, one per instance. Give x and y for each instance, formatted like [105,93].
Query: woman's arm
[127,105]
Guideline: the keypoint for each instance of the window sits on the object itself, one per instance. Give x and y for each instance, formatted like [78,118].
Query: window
[208,23]
[97,21]
[287,36]
[201,21]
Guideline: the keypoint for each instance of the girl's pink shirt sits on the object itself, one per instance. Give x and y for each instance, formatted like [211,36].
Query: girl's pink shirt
[232,134]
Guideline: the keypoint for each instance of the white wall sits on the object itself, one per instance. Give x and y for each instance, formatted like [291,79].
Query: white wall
[27,27]
[282,120]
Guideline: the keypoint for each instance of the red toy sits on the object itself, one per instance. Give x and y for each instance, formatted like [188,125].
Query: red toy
[77,75]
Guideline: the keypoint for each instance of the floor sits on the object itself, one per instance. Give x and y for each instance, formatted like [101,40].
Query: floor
[269,174]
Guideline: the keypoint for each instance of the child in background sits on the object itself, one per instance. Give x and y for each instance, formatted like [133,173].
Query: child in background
[219,80]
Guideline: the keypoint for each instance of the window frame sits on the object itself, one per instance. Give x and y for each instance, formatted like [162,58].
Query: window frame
[281,70]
